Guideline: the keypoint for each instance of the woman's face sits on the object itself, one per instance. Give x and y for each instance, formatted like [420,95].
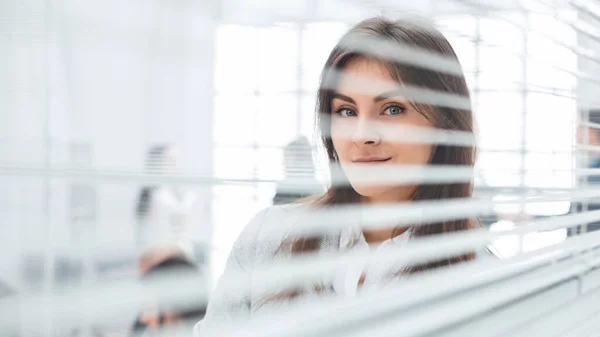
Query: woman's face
[361,126]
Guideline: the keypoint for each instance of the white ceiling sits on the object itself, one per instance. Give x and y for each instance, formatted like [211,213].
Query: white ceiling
[264,12]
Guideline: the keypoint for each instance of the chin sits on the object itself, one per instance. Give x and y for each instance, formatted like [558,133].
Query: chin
[384,193]
[373,191]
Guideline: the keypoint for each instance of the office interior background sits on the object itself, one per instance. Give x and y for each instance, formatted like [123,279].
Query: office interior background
[89,87]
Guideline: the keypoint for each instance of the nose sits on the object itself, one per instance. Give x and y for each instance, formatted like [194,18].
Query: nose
[365,133]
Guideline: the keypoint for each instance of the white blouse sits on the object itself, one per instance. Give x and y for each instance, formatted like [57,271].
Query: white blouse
[345,282]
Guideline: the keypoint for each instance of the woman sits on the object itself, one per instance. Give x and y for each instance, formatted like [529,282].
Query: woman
[355,117]
[162,211]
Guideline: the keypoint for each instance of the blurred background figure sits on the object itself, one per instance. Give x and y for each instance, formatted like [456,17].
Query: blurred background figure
[588,134]
[162,211]
[167,315]
[157,255]
[299,173]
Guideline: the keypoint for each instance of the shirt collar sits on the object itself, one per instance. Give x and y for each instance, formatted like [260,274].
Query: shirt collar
[353,235]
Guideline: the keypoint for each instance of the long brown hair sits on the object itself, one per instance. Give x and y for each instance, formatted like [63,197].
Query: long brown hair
[369,34]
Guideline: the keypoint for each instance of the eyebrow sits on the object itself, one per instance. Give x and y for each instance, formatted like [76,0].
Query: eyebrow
[343,97]
[380,97]
[389,94]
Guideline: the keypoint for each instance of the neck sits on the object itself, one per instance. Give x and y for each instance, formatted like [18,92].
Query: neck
[374,236]
[396,195]
[402,194]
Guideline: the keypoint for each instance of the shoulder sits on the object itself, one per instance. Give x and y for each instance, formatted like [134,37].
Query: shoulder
[274,221]
[262,237]
[287,211]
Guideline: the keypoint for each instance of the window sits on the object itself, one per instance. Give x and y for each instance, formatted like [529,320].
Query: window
[266,81]
[516,97]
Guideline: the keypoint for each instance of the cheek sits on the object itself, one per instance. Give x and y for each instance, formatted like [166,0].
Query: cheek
[340,140]
[340,146]
[417,154]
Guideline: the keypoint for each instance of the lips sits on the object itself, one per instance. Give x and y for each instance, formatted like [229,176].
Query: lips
[371,160]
